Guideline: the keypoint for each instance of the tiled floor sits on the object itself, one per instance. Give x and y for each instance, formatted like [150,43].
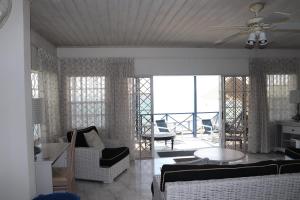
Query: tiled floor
[134,184]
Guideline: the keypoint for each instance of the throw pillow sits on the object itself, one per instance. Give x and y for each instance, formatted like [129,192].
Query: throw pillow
[93,140]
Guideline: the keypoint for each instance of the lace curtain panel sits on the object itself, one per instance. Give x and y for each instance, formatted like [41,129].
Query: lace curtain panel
[46,88]
[271,80]
[100,92]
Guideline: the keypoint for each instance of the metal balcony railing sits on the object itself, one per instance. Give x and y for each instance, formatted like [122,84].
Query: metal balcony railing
[186,123]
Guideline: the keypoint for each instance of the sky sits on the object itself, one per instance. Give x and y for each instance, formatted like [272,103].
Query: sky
[174,94]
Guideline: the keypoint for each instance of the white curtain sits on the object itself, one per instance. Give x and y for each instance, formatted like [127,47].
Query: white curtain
[46,68]
[100,92]
[271,79]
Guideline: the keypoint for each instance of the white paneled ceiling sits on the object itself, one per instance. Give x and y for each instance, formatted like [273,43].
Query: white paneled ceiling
[153,23]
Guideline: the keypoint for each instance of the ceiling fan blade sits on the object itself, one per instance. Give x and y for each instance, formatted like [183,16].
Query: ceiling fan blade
[286,27]
[276,17]
[229,37]
[244,28]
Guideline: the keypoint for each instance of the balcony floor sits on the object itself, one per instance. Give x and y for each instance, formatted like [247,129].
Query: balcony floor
[188,142]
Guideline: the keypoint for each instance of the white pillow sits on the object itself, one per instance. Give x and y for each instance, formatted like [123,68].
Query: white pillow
[93,140]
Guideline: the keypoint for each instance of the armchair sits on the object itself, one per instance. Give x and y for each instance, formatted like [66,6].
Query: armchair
[93,164]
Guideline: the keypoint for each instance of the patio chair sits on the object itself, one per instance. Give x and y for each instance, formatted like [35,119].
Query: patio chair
[161,132]
[208,126]
[234,132]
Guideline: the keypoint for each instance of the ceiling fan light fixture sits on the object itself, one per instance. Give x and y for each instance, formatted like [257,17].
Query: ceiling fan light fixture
[251,41]
[262,40]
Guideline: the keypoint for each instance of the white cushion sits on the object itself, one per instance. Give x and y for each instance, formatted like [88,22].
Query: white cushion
[93,140]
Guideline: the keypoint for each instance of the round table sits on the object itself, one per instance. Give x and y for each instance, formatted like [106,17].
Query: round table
[218,154]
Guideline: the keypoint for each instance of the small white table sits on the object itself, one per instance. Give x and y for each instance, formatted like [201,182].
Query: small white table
[50,153]
[289,130]
[218,154]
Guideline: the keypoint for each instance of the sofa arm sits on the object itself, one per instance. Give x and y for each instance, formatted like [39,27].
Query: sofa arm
[87,156]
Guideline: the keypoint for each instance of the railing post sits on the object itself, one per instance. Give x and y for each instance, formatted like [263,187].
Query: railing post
[195,108]
[195,124]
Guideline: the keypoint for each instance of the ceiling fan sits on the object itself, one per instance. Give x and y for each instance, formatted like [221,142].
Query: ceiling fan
[257,26]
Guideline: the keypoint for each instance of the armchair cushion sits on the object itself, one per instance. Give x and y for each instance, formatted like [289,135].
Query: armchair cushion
[110,156]
[80,139]
[93,140]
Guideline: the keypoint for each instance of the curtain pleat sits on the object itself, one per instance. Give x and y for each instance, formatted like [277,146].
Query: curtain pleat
[48,69]
[269,99]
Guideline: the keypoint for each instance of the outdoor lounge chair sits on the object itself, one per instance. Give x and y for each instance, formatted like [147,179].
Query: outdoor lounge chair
[207,125]
[161,132]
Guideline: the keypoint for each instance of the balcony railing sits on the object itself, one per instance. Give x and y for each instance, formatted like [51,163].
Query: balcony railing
[186,123]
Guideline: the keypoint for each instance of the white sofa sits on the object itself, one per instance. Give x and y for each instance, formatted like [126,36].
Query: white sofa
[267,187]
[271,187]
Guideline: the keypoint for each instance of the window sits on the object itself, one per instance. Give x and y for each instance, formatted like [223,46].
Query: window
[35,86]
[278,91]
[86,98]
[36,105]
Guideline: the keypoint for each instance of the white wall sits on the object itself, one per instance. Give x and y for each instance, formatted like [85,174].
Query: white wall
[17,180]
[182,61]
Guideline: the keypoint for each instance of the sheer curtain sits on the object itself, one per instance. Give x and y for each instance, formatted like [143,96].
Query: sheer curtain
[271,80]
[99,91]
[46,88]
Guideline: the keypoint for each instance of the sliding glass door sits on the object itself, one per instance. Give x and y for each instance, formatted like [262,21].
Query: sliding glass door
[190,106]
[235,111]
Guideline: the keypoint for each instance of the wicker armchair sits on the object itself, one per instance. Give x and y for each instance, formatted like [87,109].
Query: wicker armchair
[91,164]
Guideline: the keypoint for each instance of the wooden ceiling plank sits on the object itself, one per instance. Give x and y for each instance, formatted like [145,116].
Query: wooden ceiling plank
[146,8]
[133,13]
[155,27]
[124,6]
[200,21]
[207,22]
[172,12]
[185,21]
[186,10]
[89,17]
[177,10]
[51,20]
[79,14]
[71,24]
[114,13]
[157,6]
[104,22]
[93,9]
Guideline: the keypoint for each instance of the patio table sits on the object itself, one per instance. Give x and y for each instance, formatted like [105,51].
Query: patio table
[219,154]
[160,137]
